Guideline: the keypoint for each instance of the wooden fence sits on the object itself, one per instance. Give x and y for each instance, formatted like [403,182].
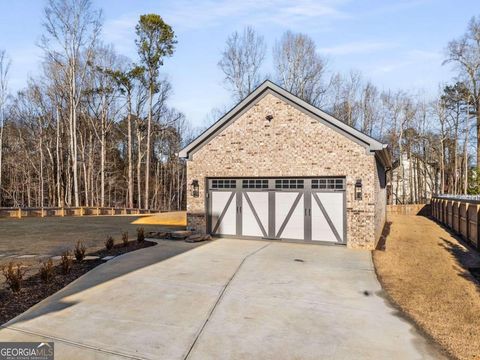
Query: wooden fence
[460,215]
[70,211]
[409,209]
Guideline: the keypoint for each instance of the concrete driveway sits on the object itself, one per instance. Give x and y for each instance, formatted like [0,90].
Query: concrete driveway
[229,299]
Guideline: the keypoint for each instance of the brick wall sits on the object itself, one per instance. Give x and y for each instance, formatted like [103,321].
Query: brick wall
[291,144]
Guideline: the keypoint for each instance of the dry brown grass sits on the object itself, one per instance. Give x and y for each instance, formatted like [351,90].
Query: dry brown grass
[171,218]
[424,271]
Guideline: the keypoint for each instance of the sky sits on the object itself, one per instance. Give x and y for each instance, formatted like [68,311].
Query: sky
[395,44]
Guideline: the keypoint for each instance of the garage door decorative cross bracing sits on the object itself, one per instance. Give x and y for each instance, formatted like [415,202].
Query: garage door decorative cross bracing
[299,209]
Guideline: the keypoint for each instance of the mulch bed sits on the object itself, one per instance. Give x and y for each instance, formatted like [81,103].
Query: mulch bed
[119,249]
[35,290]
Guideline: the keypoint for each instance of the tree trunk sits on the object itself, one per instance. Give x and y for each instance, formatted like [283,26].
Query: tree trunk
[57,154]
[139,168]
[129,150]
[71,127]
[74,136]
[478,135]
[102,161]
[1,154]
[402,166]
[91,170]
[414,180]
[465,159]
[455,156]
[41,194]
[148,150]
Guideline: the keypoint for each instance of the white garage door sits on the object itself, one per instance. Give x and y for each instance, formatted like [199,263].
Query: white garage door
[311,210]
[254,213]
[327,216]
[224,217]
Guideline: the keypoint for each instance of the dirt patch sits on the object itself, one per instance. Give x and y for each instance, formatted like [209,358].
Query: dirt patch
[425,271]
[35,290]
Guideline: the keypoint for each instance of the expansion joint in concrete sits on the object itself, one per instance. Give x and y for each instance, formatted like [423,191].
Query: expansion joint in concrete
[74,343]
[219,299]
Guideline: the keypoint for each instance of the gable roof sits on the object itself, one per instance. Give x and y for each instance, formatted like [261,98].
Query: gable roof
[268,87]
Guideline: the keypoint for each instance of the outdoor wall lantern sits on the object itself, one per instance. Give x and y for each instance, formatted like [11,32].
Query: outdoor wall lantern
[358,189]
[194,188]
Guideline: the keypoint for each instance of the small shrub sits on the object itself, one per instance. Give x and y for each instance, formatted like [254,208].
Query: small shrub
[109,243]
[125,238]
[13,275]
[66,262]
[79,251]
[140,234]
[47,271]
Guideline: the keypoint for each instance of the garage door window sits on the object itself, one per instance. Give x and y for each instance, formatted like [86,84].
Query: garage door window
[289,184]
[255,184]
[328,184]
[224,184]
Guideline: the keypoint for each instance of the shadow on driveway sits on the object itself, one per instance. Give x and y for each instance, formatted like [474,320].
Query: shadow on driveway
[106,272]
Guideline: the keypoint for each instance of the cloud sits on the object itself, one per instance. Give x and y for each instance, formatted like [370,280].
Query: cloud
[413,57]
[421,55]
[359,47]
[321,12]
[121,33]
[389,7]
[187,15]
[410,70]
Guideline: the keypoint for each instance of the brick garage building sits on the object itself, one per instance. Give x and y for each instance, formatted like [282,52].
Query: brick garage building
[275,167]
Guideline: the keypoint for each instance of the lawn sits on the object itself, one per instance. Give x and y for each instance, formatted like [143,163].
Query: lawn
[424,270]
[53,235]
[20,239]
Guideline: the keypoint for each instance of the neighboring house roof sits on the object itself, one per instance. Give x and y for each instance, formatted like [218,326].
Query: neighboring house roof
[269,87]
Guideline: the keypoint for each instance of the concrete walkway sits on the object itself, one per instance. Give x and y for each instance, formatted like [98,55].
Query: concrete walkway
[229,299]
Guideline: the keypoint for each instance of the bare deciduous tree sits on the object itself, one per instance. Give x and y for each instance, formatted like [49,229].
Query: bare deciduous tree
[95,129]
[465,54]
[71,31]
[102,87]
[241,62]
[299,68]
[69,135]
[4,68]
[346,103]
